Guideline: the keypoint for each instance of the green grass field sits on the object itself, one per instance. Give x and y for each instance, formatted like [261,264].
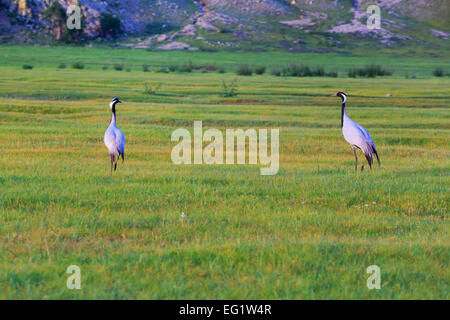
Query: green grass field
[309,232]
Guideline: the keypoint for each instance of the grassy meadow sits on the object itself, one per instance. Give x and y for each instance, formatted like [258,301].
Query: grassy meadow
[308,232]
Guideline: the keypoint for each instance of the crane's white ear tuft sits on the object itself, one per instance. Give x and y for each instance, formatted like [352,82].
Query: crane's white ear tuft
[344,97]
[111,104]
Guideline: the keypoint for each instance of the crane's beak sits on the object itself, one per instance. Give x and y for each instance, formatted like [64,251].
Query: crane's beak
[119,101]
[334,95]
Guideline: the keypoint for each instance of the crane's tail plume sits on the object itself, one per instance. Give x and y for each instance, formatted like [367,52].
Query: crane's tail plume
[367,150]
[376,153]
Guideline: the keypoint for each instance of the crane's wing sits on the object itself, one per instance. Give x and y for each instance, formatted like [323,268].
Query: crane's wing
[368,140]
[120,141]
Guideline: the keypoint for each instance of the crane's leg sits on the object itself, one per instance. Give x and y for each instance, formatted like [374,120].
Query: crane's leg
[112,163]
[117,161]
[356,159]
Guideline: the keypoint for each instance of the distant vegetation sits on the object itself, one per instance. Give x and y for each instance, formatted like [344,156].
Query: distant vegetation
[110,26]
[118,67]
[295,70]
[185,67]
[290,70]
[370,71]
[78,65]
[438,72]
[260,70]
[244,70]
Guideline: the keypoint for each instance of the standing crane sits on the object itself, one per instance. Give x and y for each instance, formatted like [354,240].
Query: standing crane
[114,138]
[356,135]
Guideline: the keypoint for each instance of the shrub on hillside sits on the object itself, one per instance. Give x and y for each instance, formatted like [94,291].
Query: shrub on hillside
[118,67]
[56,16]
[27,67]
[244,70]
[260,70]
[276,72]
[186,67]
[110,26]
[78,65]
[438,72]
[332,74]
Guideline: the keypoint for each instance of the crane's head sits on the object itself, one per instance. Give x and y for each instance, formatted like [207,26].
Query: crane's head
[343,96]
[114,101]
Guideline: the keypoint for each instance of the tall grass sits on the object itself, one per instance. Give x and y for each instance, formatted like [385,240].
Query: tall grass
[230,90]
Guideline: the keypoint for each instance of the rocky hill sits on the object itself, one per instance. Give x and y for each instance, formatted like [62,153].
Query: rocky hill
[299,25]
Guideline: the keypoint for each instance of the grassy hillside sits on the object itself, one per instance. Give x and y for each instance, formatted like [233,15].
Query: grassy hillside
[308,232]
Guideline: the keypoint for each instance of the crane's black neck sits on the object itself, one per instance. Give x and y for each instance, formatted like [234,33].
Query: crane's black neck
[342,114]
[113,112]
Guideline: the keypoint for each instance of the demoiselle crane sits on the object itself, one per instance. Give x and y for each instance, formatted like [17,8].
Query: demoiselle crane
[114,138]
[356,135]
